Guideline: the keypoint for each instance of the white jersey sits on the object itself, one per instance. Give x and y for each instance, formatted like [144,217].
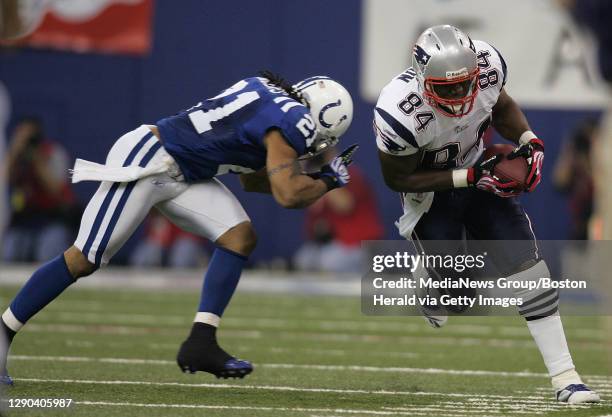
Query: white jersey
[405,124]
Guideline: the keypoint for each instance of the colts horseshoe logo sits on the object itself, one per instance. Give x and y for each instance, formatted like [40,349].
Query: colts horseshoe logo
[327,107]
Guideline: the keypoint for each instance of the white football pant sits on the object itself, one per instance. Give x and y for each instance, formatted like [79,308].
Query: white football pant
[206,208]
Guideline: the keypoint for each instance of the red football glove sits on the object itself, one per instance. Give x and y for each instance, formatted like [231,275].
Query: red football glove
[481,176]
[533,152]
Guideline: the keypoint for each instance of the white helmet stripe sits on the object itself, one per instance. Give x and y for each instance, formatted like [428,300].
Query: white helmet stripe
[309,82]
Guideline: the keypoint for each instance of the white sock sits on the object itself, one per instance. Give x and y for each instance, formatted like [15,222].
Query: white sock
[11,321]
[566,378]
[207,318]
[549,336]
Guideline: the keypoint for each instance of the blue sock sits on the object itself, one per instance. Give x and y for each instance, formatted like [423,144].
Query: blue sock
[45,285]
[221,280]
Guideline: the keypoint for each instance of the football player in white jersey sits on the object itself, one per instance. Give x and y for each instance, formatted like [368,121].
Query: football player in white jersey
[429,121]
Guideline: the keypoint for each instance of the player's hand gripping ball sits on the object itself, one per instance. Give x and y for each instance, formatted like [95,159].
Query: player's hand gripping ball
[533,153]
[499,174]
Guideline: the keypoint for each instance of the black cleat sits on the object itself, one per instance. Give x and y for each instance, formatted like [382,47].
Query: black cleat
[201,353]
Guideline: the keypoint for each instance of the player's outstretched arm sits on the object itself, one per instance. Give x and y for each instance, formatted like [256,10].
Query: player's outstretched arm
[256,182]
[290,188]
[401,174]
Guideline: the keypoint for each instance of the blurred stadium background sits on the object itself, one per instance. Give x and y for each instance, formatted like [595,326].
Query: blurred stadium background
[91,71]
[95,71]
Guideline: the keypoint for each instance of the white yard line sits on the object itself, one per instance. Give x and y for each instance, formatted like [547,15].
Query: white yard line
[437,409]
[546,403]
[245,408]
[466,404]
[469,372]
[274,323]
[311,337]
[527,400]
[437,371]
[338,352]
[82,344]
[129,361]
[498,411]
[318,323]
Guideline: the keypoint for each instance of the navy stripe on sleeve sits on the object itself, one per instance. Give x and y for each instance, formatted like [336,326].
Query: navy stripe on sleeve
[503,64]
[397,127]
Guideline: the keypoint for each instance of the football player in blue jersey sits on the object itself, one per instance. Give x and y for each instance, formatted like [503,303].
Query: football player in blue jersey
[258,128]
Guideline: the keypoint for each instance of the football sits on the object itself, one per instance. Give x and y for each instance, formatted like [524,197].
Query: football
[508,169]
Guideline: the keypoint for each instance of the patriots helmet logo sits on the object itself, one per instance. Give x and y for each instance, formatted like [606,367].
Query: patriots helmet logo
[420,55]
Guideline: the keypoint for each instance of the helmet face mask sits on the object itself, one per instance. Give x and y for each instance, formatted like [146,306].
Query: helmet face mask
[445,61]
[453,97]
[319,145]
[331,111]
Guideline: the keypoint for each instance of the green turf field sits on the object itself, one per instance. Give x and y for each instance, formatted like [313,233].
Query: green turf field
[113,354]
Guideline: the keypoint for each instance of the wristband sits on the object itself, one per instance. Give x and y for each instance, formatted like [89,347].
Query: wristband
[526,137]
[460,178]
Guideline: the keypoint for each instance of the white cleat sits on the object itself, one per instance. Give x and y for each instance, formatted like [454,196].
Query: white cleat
[434,315]
[570,389]
[435,321]
[577,394]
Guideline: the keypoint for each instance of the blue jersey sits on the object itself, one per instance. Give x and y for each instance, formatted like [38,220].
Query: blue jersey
[225,133]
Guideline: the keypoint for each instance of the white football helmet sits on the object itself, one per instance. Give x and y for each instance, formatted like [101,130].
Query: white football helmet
[331,108]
